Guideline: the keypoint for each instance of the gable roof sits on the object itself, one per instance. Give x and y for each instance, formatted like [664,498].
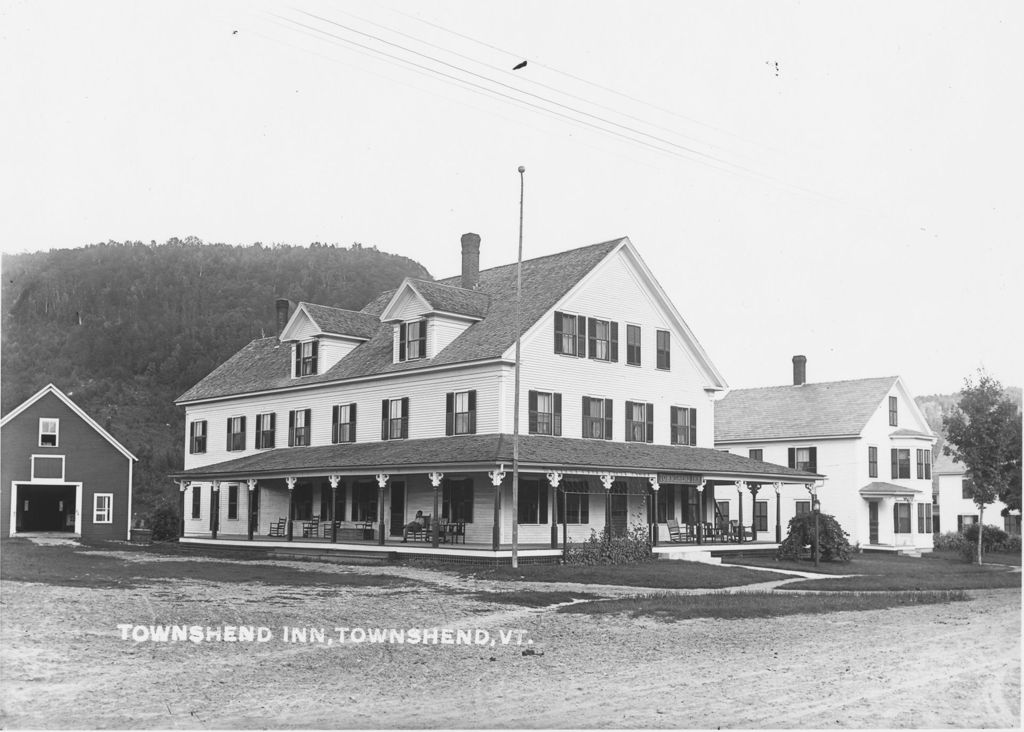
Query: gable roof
[264,364]
[944,465]
[51,389]
[828,409]
[446,298]
[338,321]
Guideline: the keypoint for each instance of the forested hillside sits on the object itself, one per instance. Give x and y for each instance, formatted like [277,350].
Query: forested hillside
[125,328]
[934,406]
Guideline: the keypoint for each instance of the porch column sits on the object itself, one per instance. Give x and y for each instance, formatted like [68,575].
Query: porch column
[554,478]
[251,485]
[334,480]
[182,487]
[215,509]
[565,528]
[290,482]
[754,488]
[778,513]
[652,514]
[382,481]
[496,477]
[740,485]
[607,480]
[435,480]
[702,510]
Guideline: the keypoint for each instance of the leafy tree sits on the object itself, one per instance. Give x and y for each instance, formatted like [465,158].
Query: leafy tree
[832,540]
[984,433]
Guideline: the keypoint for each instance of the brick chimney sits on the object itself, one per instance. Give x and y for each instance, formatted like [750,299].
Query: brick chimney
[799,370]
[283,306]
[470,260]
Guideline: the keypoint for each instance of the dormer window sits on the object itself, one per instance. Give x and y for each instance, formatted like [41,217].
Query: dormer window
[305,358]
[412,340]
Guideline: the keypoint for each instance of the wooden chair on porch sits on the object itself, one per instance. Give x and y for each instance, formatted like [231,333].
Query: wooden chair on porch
[675,531]
[311,528]
[421,532]
[279,527]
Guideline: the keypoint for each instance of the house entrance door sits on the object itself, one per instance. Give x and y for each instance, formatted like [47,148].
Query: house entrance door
[873,522]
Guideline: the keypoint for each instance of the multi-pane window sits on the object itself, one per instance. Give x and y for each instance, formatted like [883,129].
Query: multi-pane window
[48,432]
[103,508]
[299,427]
[394,419]
[305,358]
[412,340]
[570,335]
[197,437]
[756,453]
[266,425]
[683,426]
[901,518]
[545,413]
[802,507]
[633,345]
[760,515]
[893,412]
[603,339]
[924,518]
[197,501]
[364,501]
[639,422]
[872,462]
[804,458]
[900,463]
[236,433]
[924,464]
[576,502]
[967,489]
[343,423]
[460,411]
[533,501]
[663,345]
[457,499]
[965,520]
[233,501]
[597,418]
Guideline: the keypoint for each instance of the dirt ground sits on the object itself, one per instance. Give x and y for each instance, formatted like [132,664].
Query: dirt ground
[64,663]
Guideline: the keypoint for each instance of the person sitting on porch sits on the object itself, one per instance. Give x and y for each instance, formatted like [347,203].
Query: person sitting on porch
[415,525]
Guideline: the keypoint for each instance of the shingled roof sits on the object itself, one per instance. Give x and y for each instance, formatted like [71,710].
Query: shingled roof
[828,409]
[555,452]
[264,364]
[342,322]
[453,299]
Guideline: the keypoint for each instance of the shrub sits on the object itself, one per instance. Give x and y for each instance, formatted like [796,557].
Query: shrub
[634,546]
[993,539]
[951,541]
[164,523]
[832,540]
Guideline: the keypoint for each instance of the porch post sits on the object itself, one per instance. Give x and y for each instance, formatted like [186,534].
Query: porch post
[754,488]
[554,478]
[182,487]
[565,528]
[496,477]
[778,513]
[291,492]
[382,480]
[334,480]
[703,511]
[251,485]
[652,514]
[215,509]
[740,485]
[607,480]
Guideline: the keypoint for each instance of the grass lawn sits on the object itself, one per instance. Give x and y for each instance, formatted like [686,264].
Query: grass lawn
[728,606]
[878,571]
[659,573]
[528,598]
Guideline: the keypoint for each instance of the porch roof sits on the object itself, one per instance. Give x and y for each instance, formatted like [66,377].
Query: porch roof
[489,451]
[880,489]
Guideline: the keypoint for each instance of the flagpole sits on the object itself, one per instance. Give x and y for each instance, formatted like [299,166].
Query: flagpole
[515,409]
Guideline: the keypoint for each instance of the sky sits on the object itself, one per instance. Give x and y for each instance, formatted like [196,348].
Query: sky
[839,180]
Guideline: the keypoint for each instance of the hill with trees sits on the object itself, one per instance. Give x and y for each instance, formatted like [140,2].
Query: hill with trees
[125,328]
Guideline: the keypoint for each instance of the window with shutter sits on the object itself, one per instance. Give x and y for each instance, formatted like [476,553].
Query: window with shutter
[872,462]
[412,340]
[299,427]
[636,421]
[461,412]
[197,437]
[236,433]
[343,423]
[663,347]
[683,426]
[306,358]
[265,430]
[395,419]
[596,418]
[633,345]
[600,337]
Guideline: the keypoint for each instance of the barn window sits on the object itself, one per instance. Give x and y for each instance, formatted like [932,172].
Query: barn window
[103,508]
[49,429]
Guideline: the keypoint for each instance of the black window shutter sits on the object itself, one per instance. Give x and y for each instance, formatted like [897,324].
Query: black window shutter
[895,464]
[298,359]
[308,439]
[895,519]
[449,413]
[792,457]
[352,420]
[401,342]
[556,418]
[259,431]
[273,419]
[291,428]
[531,401]
[693,427]
[586,413]
[615,341]
[384,418]
[591,337]
[674,425]
[581,336]
[814,459]
[472,412]
[649,411]
[629,416]
[312,369]
[229,435]
[558,332]
[335,427]
[192,437]
[405,416]
[607,419]
[423,339]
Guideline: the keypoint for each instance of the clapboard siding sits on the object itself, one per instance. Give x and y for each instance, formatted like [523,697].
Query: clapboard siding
[441,331]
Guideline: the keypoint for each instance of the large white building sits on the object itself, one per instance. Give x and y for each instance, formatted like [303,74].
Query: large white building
[349,422]
[866,435]
[957,509]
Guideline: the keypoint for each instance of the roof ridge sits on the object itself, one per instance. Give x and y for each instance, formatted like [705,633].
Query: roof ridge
[815,383]
[537,259]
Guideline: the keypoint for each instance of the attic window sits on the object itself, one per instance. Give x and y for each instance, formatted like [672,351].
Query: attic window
[305,358]
[49,429]
[412,340]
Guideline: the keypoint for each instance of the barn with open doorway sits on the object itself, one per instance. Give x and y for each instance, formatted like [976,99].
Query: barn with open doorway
[60,471]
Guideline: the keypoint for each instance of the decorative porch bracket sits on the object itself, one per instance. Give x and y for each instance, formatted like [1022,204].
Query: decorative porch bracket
[497,476]
[290,482]
[382,479]
[554,478]
[251,485]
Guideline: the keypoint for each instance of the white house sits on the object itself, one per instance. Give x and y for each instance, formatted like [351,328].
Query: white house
[866,435]
[956,509]
[347,423]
